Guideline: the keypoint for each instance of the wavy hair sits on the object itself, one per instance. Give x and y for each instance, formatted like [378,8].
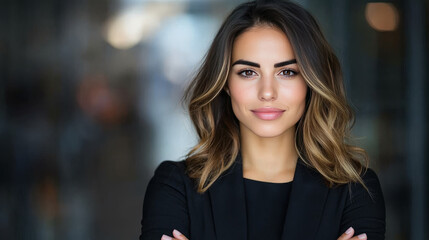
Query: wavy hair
[322,133]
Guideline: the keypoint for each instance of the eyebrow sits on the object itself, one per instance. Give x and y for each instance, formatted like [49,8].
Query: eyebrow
[253,64]
[281,64]
[244,62]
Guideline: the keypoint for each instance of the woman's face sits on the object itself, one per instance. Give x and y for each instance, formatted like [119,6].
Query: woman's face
[266,89]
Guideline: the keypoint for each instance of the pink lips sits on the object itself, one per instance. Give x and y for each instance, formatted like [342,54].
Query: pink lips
[268,113]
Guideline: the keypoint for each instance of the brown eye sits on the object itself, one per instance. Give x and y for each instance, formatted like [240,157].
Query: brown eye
[288,73]
[247,73]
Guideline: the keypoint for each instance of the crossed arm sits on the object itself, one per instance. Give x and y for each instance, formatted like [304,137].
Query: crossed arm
[348,235]
[363,215]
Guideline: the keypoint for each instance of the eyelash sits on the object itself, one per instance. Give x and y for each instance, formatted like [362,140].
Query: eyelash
[291,73]
[294,73]
[242,73]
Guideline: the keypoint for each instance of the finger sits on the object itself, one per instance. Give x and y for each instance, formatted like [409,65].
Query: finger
[360,237]
[165,237]
[347,234]
[179,235]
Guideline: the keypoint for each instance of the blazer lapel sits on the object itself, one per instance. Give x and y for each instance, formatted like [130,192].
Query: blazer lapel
[304,212]
[306,203]
[229,203]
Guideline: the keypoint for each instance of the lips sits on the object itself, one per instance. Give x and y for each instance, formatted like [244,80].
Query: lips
[268,113]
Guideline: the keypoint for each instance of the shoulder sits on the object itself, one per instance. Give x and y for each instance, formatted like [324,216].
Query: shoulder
[168,181]
[372,192]
[165,204]
[170,170]
[365,208]
[369,176]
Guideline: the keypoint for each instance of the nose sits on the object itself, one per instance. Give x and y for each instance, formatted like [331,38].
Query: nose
[267,89]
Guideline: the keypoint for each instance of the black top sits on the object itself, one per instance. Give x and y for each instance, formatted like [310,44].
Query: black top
[266,205]
[314,212]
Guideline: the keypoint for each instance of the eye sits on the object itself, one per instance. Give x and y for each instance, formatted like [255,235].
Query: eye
[288,73]
[247,73]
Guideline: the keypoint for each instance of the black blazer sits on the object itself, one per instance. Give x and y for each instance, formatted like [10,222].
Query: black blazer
[314,211]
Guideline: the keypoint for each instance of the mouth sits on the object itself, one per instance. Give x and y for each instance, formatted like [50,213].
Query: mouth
[268,113]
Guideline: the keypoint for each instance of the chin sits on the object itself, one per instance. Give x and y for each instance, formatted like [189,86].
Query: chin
[269,132]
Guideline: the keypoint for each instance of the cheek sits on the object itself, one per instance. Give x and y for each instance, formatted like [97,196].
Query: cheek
[240,95]
[302,94]
[296,94]
[301,98]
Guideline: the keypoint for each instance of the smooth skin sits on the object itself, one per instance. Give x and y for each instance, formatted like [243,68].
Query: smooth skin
[264,73]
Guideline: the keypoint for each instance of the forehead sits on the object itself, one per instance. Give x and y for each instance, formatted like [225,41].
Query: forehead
[263,43]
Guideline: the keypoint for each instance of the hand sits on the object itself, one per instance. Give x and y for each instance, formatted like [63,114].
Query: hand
[177,236]
[348,235]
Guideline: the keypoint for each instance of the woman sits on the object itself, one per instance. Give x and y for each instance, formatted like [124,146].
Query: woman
[272,161]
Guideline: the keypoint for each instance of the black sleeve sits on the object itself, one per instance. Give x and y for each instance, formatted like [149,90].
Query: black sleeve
[165,206]
[364,211]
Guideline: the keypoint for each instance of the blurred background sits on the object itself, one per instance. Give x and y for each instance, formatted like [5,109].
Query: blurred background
[90,105]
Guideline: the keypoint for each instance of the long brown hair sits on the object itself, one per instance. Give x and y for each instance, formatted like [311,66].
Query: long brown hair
[322,134]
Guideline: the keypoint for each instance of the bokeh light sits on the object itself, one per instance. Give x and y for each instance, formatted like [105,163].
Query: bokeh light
[137,23]
[382,16]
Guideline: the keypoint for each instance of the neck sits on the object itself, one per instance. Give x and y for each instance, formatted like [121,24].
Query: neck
[268,159]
